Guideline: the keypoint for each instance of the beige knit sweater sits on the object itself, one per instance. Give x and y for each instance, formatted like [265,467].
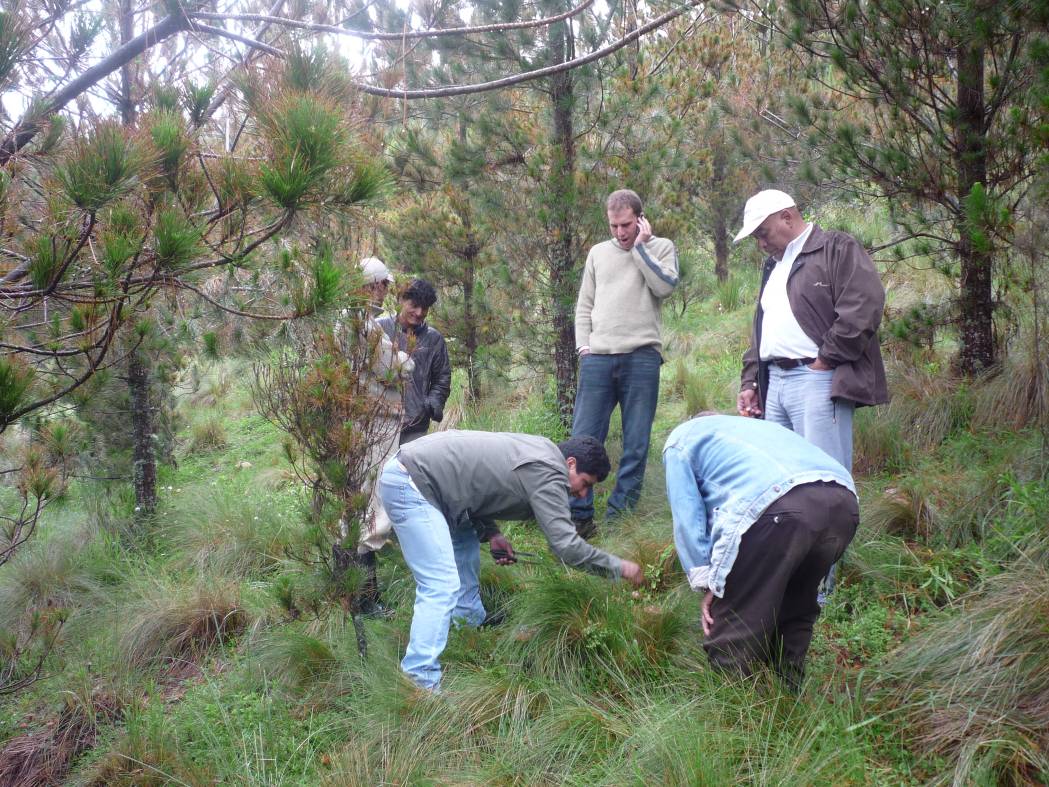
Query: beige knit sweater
[618,309]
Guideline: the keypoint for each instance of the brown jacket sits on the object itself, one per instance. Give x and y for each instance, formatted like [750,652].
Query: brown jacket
[837,299]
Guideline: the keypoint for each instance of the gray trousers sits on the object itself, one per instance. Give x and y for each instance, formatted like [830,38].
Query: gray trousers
[769,608]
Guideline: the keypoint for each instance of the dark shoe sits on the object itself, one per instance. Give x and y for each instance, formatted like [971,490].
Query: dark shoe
[492,619]
[369,602]
[375,610]
[585,528]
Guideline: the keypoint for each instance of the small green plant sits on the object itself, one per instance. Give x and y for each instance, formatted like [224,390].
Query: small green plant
[731,294]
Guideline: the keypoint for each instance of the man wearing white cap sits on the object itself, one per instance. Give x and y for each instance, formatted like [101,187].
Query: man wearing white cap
[390,367]
[814,353]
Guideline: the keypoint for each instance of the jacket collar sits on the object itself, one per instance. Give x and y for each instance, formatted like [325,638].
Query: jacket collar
[817,240]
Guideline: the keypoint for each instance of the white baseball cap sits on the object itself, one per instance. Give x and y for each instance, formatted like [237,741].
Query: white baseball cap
[760,207]
[375,271]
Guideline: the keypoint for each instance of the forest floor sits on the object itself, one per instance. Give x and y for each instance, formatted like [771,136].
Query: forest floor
[179,664]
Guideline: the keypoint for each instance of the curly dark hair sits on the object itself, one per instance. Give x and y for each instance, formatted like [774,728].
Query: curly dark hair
[590,456]
[421,293]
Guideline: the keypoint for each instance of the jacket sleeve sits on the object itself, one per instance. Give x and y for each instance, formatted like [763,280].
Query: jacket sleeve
[657,261]
[859,299]
[547,492]
[691,530]
[440,380]
[584,304]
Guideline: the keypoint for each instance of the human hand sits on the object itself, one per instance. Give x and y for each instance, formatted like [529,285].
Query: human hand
[502,552]
[747,403]
[820,366]
[631,572]
[644,230]
[705,617]
[584,351]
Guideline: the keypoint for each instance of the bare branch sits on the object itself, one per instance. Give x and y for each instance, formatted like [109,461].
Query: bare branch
[24,132]
[539,73]
[408,34]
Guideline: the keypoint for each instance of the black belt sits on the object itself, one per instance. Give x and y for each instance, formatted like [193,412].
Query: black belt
[791,363]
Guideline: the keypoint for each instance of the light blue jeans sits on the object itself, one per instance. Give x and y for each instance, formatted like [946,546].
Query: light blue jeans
[446,565]
[799,399]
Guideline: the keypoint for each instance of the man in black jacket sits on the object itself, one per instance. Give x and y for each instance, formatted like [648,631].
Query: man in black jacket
[431,381]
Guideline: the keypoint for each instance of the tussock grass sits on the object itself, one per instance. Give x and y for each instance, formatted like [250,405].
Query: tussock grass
[908,510]
[1016,397]
[579,623]
[168,623]
[63,571]
[231,532]
[972,689]
[44,756]
[927,405]
[323,668]
[737,733]
[148,756]
[208,435]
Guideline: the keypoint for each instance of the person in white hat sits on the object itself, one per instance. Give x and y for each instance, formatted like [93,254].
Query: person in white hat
[391,368]
[814,355]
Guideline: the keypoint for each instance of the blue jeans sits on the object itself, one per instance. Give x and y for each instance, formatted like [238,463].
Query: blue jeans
[630,380]
[799,399]
[446,566]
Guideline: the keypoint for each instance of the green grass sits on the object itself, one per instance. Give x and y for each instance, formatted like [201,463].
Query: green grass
[587,682]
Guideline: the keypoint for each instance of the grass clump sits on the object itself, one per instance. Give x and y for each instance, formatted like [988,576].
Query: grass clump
[972,688]
[208,435]
[579,623]
[45,756]
[62,571]
[231,532]
[167,623]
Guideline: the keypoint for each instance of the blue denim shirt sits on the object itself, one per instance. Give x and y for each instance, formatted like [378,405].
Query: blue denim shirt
[722,472]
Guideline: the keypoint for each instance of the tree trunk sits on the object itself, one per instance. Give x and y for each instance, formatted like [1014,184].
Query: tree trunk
[563,200]
[144,460]
[470,326]
[721,247]
[144,456]
[975,301]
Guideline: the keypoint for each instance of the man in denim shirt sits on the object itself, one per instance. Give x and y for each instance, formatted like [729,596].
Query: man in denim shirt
[760,514]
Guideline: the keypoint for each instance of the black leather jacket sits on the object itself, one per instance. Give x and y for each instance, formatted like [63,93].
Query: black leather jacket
[431,381]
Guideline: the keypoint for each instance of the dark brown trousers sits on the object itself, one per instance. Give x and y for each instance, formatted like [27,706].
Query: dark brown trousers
[769,607]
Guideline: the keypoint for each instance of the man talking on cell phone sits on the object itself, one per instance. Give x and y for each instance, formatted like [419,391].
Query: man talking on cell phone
[618,338]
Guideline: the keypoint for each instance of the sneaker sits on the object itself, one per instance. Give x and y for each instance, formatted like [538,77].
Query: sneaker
[585,528]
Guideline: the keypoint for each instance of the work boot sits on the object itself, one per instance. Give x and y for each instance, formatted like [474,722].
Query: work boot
[369,600]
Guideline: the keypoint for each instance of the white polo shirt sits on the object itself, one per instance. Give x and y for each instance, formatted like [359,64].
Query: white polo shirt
[781,335]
